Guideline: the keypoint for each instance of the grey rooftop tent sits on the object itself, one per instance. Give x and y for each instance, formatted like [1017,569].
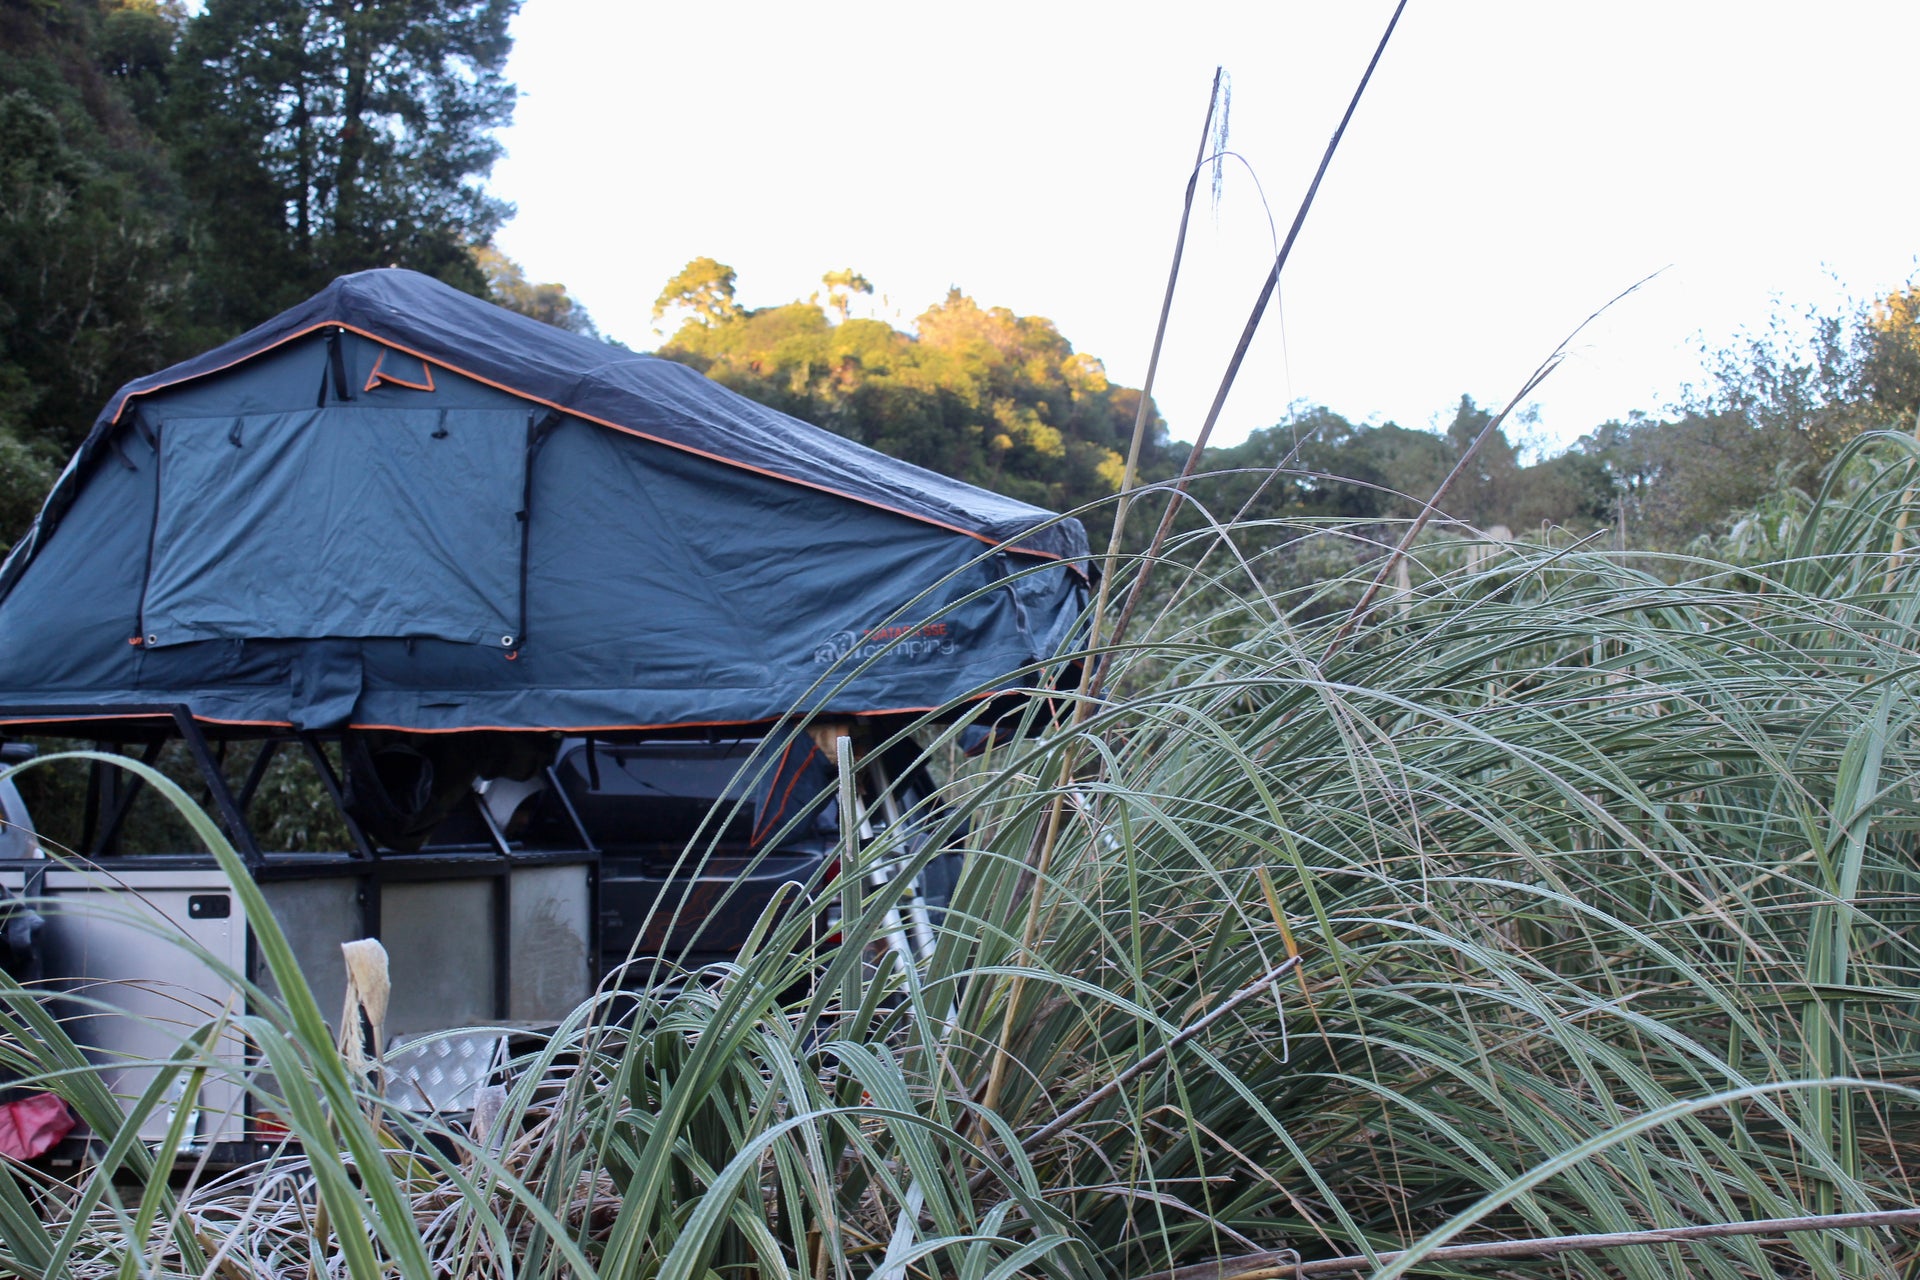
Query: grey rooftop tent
[398,507]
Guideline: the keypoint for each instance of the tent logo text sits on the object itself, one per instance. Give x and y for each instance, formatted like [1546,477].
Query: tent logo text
[926,640]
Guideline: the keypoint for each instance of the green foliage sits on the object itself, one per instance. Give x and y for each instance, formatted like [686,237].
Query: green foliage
[290,811]
[1819,379]
[85,245]
[25,472]
[978,393]
[87,280]
[90,271]
[1319,464]
[319,139]
[1678,479]
[1321,467]
[1780,405]
[133,46]
[507,284]
[703,290]
[1886,365]
[842,285]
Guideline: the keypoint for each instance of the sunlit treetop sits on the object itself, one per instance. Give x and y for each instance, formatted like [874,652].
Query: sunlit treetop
[980,393]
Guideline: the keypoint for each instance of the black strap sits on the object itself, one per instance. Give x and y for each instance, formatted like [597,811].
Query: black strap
[337,361]
[538,429]
[335,373]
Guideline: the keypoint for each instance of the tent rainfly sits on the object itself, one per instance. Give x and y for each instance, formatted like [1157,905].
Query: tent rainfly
[396,506]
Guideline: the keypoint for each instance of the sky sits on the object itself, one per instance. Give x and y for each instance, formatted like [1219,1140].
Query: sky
[1512,168]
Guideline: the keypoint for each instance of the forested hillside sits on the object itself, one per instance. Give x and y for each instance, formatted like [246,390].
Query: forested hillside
[1005,401]
[1774,409]
[976,392]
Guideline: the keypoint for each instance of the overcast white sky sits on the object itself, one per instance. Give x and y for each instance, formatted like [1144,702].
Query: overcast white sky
[1514,165]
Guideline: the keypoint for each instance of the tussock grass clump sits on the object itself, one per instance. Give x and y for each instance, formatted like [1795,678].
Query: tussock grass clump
[1604,883]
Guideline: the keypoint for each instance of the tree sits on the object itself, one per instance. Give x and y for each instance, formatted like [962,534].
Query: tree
[979,393]
[507,285]
[319,137]
[92,262]
[1778,406]
[85,274]
[1816,379]
[1335,469]
[133,46]
[1888,367]
[1675,480]
[841,286]
[703,291]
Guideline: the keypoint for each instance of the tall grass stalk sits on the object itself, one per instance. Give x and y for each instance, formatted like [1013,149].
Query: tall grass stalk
[1093,673]
[1090,671]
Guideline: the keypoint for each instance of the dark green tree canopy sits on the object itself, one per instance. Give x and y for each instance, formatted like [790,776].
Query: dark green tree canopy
[319,137]
[1321,465]
[91,250]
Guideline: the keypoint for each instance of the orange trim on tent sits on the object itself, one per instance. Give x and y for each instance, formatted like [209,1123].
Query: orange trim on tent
[500,728]
[141,715]
[585,417]
[122,406]
[676,724]
[377,378]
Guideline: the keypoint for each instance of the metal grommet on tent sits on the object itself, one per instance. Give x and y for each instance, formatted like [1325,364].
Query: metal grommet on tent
[153,639]
[506,642]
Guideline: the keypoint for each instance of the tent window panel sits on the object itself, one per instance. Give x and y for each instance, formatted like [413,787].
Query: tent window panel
[342,521]
[391,368]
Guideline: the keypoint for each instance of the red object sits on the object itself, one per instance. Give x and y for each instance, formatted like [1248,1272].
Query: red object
[30,1126]
[270,1127]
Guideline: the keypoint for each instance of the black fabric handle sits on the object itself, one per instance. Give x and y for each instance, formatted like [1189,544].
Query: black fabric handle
[336,373]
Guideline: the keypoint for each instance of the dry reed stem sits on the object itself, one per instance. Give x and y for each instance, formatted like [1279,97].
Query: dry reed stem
[1093,672]
[1089,668]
